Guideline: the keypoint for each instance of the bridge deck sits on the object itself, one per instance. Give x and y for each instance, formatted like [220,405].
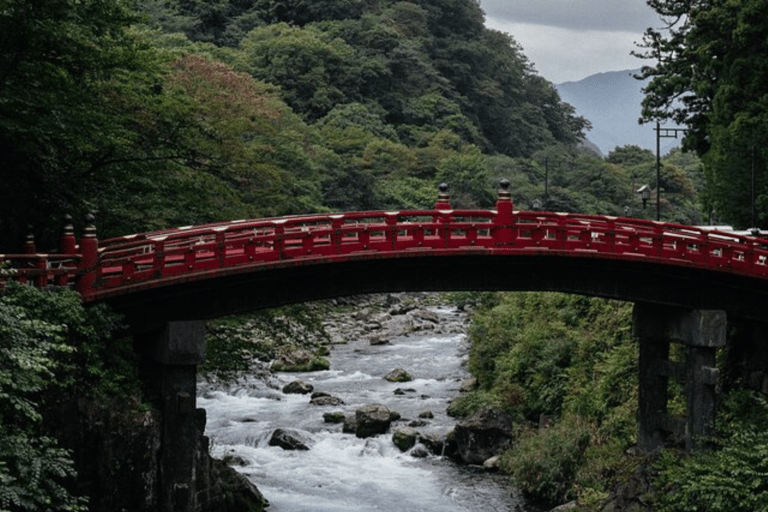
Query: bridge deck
[117,267]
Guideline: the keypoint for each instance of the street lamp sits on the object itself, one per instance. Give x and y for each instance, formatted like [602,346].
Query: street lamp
[645,194]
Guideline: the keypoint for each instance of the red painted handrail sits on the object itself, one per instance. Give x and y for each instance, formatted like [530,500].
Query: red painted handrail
[117,266]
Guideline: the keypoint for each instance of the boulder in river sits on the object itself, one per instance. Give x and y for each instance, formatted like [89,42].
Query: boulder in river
[325,399]
[485,434]
[405,438]
[350,424]
[371,420]
[333,417]
[440,444]
[398,375]
[289,439]
[379,340]
[427,315]
[297,387]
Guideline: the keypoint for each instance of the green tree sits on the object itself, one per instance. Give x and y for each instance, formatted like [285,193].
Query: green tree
[314,71]
[710,75]
[59,61]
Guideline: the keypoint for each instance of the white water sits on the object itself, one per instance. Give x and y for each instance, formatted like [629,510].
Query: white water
[341,472]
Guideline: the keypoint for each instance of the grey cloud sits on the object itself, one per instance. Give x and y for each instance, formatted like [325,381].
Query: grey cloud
[603,15]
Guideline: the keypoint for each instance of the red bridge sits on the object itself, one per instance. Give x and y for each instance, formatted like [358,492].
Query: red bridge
[204,271]
[685,281]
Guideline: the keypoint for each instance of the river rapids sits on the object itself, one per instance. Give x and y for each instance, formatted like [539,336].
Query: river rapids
[341,472]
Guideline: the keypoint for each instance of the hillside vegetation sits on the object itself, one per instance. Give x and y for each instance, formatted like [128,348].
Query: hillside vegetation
[181,112]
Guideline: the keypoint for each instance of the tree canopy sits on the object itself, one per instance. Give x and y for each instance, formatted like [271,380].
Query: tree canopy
[156,113]
[710,74]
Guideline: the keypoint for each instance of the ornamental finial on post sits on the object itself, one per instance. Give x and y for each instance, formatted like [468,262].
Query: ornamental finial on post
[67,242]
[29,241]
[443,199]
[504,204]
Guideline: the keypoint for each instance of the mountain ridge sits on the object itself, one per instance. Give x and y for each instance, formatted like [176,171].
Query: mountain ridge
[611,101]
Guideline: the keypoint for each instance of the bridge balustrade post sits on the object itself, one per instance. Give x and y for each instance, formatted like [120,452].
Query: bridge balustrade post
[391,231]
[67,245]
[169,359]
[443,204]
[29,242]
[336,235]
[702,332]
[89,249]
[503,221]
[39,263]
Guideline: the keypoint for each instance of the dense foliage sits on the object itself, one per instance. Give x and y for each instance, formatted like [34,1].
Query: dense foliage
[565,367]
[51,350]
[733,478]
[710,75]
[566,364]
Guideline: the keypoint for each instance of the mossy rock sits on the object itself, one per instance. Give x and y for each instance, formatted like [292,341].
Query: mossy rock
[405,438]
[398,375]
[334,417]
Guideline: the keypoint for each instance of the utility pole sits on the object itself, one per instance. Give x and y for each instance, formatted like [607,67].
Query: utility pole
[667,133]
[754,186]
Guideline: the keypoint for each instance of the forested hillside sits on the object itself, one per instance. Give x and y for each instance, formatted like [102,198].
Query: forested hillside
[180,112]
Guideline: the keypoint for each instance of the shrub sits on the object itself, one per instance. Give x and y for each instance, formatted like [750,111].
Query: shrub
[733,478]
[544,464]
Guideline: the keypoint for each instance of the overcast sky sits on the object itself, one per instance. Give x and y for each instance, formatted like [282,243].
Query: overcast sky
[568,40]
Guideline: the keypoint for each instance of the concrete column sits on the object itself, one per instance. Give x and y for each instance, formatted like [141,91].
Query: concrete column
[169,370]
[702,331]
[701,393]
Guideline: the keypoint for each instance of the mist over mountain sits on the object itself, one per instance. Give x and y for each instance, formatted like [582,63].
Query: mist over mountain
[611,102]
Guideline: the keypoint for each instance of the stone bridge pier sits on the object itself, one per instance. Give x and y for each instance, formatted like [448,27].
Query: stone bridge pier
[169,359]
[701,332]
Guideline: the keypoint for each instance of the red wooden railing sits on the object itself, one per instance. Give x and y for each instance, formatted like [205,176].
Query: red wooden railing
[117,266]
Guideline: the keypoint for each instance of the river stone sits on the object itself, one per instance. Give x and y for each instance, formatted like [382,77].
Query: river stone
[405,438]
[333,417]
[492,464]
[289,439]
[439,444]
[468,385]
[379,340]
[426,415]
[297,387]
[484,435]
[429,316]
[371,420]
[419,452]
[398,375]
[324,400]
[401,310]
[350,424]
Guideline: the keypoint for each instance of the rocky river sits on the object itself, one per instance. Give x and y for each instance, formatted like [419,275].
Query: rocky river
[298,436]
